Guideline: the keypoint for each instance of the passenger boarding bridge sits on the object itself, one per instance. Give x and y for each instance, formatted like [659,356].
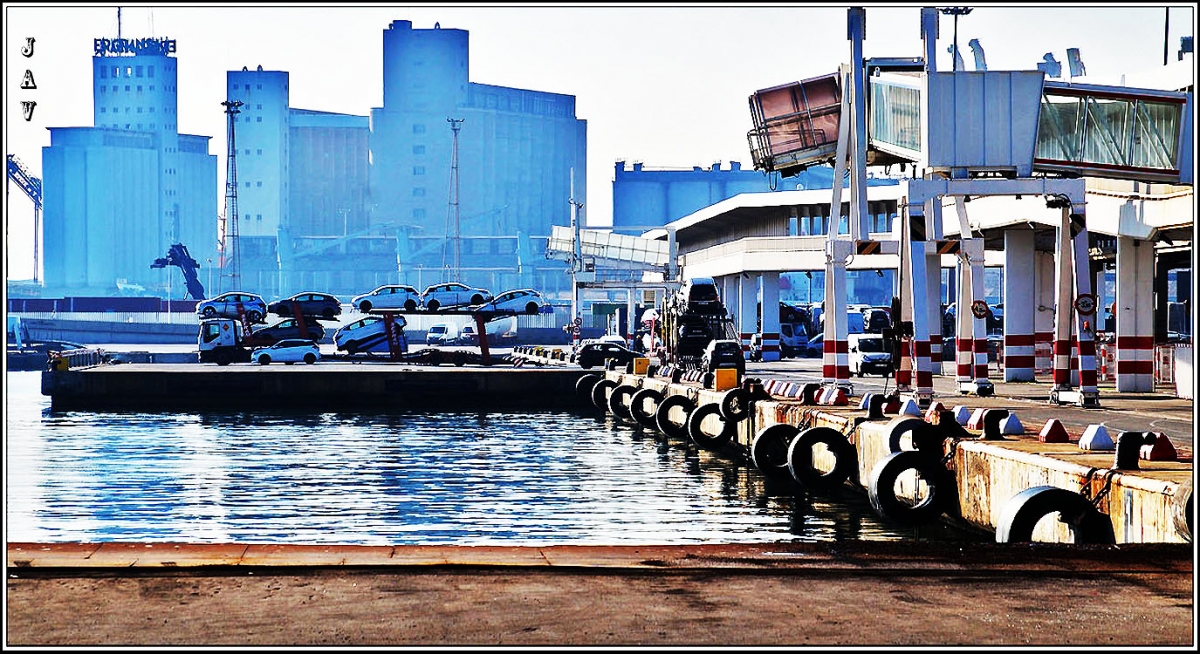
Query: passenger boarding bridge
[1039,164]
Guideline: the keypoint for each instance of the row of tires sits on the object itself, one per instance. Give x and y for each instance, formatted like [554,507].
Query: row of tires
[785,450]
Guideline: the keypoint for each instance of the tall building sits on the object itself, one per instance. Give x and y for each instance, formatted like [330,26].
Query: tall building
[472,175]
[119,194]
[448,180]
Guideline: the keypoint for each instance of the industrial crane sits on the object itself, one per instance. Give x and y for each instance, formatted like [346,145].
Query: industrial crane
[178,256]
[32,186]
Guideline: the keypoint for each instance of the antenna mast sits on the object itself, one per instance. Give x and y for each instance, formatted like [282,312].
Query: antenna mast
[229,246]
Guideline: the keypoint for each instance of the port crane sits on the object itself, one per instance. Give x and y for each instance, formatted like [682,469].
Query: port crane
[178,256]
[32,186]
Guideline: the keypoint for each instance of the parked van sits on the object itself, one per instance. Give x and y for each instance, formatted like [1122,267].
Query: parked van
[868,354]
[793,339]
[442,333]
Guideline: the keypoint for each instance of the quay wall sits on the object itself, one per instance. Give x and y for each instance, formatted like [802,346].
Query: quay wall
[1149,503]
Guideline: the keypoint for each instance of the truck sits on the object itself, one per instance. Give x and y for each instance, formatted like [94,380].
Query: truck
[225,340]
[688,326]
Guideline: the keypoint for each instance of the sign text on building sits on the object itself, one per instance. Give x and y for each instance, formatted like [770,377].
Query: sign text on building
[134,46]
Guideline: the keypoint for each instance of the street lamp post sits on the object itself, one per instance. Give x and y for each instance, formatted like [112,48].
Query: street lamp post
[210,288]
[956,12]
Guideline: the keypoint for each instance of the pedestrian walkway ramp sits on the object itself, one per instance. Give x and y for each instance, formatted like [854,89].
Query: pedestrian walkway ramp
[607,249]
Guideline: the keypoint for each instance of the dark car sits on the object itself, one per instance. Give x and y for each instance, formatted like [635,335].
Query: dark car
[321,305]
[595,354]
[290,328]
[724,353]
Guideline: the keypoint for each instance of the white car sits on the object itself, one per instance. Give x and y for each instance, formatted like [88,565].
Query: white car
[453,294]
[226,305]
[388,296]
[368,334]
[287,351]
[522,300]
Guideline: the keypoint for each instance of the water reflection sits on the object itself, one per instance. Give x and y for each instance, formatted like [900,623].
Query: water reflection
[394,478]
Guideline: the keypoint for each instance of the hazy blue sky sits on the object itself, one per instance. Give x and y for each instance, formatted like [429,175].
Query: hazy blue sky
[665,85]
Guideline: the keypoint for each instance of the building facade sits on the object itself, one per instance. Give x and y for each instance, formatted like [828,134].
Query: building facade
[119,194]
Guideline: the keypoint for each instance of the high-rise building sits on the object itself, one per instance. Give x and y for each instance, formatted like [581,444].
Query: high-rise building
[119,194]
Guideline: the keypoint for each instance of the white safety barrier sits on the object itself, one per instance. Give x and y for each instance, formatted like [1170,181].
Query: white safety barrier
[1164,364]
[1184,384]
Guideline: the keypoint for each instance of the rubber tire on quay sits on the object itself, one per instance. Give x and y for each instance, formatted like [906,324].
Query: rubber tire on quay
[925,437]
[616,402]
[600,392]
[881,487]
[735,405]
[769,450]
[639,399]
[583,385]
[697,433]
[1182,508]
[662,417]
[799,458]
[1020,515]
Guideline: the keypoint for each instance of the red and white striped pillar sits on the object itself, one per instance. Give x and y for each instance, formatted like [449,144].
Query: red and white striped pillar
[1020,305]
[1135,315]
[747,312]
[769,306]
[835,367]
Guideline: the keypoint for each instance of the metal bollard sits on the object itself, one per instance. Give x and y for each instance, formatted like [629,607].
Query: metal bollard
[991,424]
[1129,447]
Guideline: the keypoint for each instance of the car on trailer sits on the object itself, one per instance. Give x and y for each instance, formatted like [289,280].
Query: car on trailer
[323,305]
[388,296]
[226,305]
[521,300]
[289,328]
[453,294]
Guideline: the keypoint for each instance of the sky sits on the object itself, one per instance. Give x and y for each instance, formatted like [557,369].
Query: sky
[666,85]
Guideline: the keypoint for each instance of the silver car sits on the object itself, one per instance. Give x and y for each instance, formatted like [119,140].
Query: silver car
[228,305]
[388,296]
[453,294]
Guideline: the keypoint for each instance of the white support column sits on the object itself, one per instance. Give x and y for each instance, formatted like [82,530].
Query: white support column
[974,247]
[1043,316]
[1020,305]
[770,316]
[835,367]
[1063,273]
[747,318]
[933,287]
[1085,321]
[964,336]
[1135,315]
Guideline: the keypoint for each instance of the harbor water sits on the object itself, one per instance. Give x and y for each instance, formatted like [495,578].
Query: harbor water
[471,478]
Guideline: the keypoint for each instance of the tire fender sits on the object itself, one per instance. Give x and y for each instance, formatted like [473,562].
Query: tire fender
[600,392]
[881,488]
[769,450]
[637,405]
[735,406]
[662,417]
[1182,508]
[1021,514]
[617,401]
[583,385]
[925,437]
[699,436]
[800,456]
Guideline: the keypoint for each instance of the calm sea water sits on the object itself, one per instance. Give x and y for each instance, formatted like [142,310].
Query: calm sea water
[393,479]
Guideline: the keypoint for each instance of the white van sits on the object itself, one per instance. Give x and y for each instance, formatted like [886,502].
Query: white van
[868,354]
[442,333]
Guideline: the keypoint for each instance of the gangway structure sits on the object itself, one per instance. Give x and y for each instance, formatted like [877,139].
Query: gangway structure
[971,133]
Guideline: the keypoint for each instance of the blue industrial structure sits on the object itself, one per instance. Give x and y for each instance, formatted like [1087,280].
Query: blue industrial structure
[119,194]
[644,198]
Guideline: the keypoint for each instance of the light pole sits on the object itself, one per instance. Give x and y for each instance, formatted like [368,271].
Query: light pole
[956,12]
[210,288]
